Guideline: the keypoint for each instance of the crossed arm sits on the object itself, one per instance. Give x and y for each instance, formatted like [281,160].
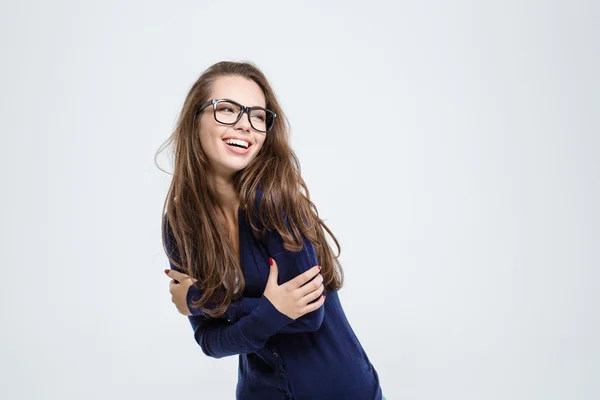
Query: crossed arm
[249,322]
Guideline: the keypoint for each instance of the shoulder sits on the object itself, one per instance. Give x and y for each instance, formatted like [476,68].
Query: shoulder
[256,207]
[166,229]
[169,241]
[259,196]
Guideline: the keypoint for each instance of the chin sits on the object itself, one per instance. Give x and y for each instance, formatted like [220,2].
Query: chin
[233,168]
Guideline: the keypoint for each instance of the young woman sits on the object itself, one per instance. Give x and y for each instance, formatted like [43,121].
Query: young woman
[250,264]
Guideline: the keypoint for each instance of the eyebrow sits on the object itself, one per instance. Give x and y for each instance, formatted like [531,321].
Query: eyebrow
[229,98]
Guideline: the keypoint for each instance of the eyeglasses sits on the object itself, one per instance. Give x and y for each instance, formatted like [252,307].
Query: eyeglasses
[229,112]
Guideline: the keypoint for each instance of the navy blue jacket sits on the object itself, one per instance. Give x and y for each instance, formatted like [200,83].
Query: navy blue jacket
[314,357]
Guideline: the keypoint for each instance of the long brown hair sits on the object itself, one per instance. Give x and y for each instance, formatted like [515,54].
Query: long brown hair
[191,214]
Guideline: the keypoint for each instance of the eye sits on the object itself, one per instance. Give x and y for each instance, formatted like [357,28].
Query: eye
[259,115]
[226,107]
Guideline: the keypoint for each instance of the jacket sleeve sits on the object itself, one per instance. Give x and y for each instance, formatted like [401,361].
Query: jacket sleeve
[238,308]
[291,264]
[219,338]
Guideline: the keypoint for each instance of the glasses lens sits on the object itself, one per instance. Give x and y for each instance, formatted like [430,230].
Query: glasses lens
[262,119]
[226,112]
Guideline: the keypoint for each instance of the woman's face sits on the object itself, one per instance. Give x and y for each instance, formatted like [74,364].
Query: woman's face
[224,158]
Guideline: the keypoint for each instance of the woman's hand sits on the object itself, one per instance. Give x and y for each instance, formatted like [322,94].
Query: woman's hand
[292,297]
[179,285]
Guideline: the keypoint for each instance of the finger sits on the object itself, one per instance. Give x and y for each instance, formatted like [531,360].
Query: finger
[303,277]
[185,312]
[171,273]
[313,306]
[310,286]
[172,285]
[313,295]
[273,273]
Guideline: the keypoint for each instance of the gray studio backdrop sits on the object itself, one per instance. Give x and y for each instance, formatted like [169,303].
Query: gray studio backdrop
[452,147]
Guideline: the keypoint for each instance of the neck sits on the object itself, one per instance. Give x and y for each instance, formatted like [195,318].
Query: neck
[226,195]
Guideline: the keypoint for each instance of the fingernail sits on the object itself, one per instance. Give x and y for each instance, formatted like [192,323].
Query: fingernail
[319,267]
[270,261]
[167,271]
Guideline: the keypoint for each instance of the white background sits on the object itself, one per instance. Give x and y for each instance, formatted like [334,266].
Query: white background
[452,147]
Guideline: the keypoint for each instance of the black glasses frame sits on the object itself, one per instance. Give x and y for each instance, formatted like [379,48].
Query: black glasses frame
[243,109]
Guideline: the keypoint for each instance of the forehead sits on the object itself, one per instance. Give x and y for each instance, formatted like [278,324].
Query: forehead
[244,91]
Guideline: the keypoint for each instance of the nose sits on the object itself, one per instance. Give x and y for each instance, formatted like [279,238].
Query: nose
[244,122]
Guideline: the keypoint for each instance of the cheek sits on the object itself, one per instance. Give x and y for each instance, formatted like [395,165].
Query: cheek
[259,144]
[209,136]
[205,144]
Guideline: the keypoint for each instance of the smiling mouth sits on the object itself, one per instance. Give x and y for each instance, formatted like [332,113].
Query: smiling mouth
[237,145]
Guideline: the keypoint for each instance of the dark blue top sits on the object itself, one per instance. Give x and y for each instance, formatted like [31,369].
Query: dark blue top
[315,357]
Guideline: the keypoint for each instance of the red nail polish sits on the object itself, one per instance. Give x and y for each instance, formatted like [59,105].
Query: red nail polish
[319,267]
[167,271]
[270,261]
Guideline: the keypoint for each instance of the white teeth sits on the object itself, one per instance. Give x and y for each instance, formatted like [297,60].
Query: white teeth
[238,142]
